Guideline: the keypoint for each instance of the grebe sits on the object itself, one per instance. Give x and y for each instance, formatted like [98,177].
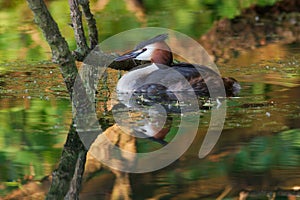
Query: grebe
[159,79]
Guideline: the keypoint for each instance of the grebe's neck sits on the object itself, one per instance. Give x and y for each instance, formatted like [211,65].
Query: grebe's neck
[162,54]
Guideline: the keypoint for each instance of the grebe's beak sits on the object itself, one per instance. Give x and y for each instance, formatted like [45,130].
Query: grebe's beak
[130,55]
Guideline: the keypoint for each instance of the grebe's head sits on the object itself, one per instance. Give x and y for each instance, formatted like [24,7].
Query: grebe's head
[155,50]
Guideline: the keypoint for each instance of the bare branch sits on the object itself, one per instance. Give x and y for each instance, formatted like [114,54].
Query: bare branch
[93,32]
[76,17]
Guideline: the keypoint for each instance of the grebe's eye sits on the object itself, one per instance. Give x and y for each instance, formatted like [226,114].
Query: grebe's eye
[144,49]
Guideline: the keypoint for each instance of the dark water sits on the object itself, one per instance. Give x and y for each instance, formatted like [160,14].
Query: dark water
[258,150]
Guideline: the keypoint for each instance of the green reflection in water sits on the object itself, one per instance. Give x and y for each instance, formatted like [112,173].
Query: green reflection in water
[31,138]
[266,153]
[262,162]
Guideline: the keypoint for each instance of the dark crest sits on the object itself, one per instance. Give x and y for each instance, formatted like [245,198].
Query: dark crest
[158,38]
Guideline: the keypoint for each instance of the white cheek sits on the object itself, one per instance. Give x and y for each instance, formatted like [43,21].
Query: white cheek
[146,55]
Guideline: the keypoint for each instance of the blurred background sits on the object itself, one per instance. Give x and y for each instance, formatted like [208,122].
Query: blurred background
[255,41]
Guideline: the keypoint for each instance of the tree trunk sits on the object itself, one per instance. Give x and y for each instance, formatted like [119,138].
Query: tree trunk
[66,180]
[74,153]
[59,47]
[72,160]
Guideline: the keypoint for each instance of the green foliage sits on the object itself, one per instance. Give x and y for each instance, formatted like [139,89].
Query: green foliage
[265,2]
[195,17]
[115,18]
[9,4]
[20,38]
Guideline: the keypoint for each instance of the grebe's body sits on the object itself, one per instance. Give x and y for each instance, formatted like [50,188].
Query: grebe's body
[162,77]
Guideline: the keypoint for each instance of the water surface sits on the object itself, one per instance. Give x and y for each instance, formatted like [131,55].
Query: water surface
[259,148]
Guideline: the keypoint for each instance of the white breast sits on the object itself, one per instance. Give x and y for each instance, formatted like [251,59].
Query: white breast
[131,81]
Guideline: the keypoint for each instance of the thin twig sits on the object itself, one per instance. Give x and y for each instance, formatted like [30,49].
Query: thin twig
[91,22]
